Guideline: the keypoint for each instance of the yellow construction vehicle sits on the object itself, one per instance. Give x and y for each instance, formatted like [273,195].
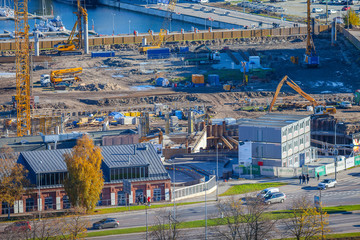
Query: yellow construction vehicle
[154,44]
[67,76]
[74,43]
[318,109]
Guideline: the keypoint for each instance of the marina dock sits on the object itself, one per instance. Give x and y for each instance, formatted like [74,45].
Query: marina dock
[30,16]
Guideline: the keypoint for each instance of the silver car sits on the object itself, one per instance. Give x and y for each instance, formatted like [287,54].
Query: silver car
[106,223]
[278,197]
[327,183]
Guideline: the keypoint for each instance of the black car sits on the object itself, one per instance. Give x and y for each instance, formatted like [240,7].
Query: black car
[106,223]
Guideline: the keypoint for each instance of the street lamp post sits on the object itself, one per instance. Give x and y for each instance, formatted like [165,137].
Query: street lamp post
[39,198]
[335,149]
[114,24]
[146,208]
[205,23]
[217,170]
[129,26]
[174,188]
[205,186]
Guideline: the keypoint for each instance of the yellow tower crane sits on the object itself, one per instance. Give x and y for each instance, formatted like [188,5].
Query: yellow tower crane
[22,68]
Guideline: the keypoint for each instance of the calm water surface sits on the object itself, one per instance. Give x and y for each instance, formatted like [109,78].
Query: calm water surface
[104,19]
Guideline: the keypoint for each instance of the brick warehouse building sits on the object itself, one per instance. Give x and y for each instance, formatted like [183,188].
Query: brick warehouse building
[138,164]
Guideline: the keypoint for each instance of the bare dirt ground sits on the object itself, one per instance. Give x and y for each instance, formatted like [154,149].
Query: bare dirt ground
[126,81]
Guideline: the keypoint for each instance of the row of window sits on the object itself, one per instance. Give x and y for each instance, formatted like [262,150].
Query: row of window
[295,128]
[47,179]
[129,173]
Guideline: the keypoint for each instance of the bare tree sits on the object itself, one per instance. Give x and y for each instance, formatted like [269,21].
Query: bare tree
[166,226]
[75,226]
[306,221]
[244,221]
[43,229]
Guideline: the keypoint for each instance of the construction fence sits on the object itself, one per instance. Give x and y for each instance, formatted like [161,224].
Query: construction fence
[288,172]
[178,37]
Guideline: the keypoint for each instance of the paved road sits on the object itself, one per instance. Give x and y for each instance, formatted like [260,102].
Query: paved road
[339,223]
[232,17]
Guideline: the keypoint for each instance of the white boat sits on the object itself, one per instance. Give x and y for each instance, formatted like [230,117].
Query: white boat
[56,25]
[6,12]
[42,26]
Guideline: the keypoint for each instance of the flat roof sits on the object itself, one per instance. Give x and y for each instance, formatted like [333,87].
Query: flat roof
[271,120]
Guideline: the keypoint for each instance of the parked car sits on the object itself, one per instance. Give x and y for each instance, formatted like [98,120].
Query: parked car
[106,223]
[331,11]
[345,104]
[22,226]
[327,183]
[268,191]
[345,8]
[278,197]
[338,20]
[321,16]
[317,10]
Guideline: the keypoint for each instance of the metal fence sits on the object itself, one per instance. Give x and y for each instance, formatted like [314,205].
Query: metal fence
[198,188]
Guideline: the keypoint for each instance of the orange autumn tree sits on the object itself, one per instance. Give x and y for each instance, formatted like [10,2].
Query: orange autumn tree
[13,181]
[85,180]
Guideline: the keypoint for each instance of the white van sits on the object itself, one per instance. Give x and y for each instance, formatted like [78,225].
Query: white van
[268,191]
[204,1]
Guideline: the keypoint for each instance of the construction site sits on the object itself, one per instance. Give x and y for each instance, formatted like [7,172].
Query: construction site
[182,87]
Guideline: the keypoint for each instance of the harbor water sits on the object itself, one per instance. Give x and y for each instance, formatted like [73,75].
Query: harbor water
[104,20]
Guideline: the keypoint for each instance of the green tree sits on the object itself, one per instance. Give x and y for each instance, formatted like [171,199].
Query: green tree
[352,18]
[12,178]
[85,178]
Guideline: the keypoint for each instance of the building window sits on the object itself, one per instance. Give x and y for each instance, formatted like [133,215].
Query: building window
[47,179]
[4,208]
[48,203]
[284,148]
[29,205]
[139,196]
[308,123]
[66,202]
[121,198]
[128,173]
[157,194]
[290,130]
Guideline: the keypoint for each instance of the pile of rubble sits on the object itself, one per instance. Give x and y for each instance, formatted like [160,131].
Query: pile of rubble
[97,87]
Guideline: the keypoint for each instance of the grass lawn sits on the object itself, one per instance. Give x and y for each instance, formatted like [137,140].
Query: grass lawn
[250,187]
[334,236]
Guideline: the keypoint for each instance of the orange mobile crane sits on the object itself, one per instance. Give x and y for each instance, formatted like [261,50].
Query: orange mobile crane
[318,109]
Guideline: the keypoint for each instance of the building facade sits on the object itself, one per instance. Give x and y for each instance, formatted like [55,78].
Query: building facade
[278,140]
[137,165]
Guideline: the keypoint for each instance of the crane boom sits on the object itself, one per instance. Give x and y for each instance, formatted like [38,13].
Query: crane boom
[294,86]
[22,68]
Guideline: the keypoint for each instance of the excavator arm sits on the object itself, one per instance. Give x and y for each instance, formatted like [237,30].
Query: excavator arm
[294,86]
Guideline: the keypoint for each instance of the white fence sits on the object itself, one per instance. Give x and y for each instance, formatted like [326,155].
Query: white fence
[195,189]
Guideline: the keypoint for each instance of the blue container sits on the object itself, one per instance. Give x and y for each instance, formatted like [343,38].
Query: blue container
[103,54]
[159,81]
[213,79]
[178,114]
[184,49]
[158,53]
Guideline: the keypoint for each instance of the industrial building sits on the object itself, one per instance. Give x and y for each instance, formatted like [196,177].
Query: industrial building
[277,140]
[137,164]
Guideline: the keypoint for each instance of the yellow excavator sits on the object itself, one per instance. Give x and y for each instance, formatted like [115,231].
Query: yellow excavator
[74,43]
[66,76]
[318,109]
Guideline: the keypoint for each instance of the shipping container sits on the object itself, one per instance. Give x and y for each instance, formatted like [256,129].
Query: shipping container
[103,54]
[213,79]
[158,53]
[197,78]
[178,114]
[184,49]
[126,120]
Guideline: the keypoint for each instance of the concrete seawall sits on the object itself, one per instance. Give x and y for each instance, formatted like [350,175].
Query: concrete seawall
[162,13]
